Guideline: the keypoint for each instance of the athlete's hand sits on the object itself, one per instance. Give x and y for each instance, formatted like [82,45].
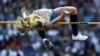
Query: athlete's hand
[23,10]
[66,12]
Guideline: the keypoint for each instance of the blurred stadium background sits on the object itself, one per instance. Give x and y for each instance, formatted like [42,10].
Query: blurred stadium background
[13,44]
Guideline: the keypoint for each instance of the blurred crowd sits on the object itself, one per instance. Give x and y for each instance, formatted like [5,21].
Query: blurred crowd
[13,44]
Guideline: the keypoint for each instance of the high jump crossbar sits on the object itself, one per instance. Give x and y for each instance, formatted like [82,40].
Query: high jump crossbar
[14,22]
[91,23]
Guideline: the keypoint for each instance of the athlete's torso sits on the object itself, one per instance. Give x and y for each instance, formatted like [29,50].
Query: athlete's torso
[45,13]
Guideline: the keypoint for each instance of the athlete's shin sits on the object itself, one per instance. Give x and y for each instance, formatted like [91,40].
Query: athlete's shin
[42,33]
[73,18]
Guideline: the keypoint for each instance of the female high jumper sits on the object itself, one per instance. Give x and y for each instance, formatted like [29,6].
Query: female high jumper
[42,19]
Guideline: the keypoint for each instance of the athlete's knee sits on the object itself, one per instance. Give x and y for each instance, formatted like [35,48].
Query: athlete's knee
[73,10]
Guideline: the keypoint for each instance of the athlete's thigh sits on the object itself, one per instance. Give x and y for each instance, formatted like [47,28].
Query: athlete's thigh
[59,10]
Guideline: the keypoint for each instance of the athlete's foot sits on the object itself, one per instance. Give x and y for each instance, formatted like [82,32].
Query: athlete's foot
[48,44]
[79,37]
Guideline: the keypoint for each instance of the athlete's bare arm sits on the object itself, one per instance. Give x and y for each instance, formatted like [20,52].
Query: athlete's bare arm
[57,19]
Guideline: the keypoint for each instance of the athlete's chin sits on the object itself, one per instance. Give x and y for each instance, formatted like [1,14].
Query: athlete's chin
[48,26]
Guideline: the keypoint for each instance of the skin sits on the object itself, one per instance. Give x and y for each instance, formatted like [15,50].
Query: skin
[61,12]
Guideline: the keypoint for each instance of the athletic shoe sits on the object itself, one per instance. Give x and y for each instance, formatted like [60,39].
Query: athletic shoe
[79,37]
[48,44]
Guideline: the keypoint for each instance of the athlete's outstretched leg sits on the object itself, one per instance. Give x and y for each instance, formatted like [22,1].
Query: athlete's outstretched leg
[47,43]
[73,18]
